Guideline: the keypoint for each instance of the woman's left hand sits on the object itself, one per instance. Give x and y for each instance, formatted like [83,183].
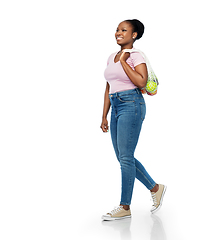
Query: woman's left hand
[124,56]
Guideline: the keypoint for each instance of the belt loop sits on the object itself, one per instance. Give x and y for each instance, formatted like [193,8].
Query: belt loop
[137,90]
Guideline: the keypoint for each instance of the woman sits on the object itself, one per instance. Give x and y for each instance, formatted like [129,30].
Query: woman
[126,74]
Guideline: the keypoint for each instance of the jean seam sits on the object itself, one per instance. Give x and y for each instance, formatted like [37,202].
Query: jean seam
[129,193]
[145,178]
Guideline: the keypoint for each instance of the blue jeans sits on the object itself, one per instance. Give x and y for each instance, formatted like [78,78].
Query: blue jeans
[127,115]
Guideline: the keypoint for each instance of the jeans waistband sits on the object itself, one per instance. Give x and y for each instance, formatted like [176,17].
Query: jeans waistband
[127,92]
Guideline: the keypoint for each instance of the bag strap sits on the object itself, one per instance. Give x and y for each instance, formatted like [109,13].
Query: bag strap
[151,74]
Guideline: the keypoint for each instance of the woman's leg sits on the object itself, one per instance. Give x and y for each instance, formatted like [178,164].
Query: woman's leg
[143,176]
[125,131]
[141,173]
[127,137]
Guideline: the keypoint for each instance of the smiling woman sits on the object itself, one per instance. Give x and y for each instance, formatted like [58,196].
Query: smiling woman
[126,74]
[137,29]
[135,73]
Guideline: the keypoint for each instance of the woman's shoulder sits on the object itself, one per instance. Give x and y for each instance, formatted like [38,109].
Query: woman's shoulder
[136,54]
[137,57]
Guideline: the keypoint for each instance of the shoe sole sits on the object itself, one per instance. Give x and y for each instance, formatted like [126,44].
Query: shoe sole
[112,218]
[161,200]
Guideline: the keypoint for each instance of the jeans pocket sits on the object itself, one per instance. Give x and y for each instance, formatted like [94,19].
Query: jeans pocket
[126,98]
[143,110]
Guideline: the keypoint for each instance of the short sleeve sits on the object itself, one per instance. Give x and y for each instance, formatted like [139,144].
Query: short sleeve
[137,58]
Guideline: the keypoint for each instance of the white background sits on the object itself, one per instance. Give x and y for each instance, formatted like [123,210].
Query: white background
[58,171]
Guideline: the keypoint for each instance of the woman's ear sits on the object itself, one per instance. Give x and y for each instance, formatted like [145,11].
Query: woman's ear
[134,35]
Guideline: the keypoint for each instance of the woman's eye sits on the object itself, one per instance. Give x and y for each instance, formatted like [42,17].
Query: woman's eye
[123,30]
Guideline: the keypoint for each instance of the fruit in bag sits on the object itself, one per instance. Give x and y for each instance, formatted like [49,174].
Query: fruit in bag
[152,94]
[151,86]
[143,90]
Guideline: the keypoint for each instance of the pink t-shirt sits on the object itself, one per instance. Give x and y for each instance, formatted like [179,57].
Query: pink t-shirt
[116,76]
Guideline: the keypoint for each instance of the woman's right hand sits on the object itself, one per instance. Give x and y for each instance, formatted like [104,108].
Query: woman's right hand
[104,125]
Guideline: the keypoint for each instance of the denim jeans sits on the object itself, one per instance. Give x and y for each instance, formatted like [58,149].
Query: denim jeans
[127,115]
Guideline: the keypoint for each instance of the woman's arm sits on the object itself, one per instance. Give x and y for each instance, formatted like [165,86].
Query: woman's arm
[107,104]
[139,76]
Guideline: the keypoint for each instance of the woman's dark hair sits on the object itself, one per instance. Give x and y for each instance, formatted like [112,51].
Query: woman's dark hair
[137,27]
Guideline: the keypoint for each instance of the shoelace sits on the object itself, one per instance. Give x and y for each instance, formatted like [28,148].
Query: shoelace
[116,209]
[154,199]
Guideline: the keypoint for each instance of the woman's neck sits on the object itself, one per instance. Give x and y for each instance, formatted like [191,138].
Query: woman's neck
[128,46]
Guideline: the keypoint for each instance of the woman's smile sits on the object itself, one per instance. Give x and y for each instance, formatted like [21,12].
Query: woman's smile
[119,38]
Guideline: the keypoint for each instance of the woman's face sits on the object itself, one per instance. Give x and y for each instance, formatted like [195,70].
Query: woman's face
[124,34]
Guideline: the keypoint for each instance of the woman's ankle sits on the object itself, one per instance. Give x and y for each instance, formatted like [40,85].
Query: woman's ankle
[125,207]
[155,188]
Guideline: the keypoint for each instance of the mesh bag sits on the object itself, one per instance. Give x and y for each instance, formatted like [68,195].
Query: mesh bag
[152,81]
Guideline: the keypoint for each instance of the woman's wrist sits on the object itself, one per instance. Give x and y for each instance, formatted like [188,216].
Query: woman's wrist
[122,61]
